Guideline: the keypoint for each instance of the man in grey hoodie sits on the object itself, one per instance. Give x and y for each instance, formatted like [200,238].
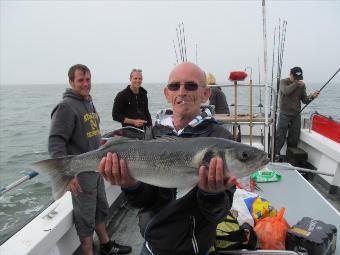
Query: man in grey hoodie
[75,130]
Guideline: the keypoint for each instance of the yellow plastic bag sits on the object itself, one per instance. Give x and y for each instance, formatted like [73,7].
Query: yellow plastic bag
[251,207]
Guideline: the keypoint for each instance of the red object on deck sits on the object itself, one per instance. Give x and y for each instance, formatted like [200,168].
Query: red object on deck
[237,76]
[326,127]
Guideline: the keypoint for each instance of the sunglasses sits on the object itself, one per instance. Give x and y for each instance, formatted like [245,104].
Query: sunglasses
[188,85]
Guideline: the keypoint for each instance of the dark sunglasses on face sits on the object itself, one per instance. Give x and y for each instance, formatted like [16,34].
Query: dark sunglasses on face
[188,85]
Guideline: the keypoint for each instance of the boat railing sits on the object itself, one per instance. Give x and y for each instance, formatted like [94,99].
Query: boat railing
[268,122]
[273,91]
[239,85]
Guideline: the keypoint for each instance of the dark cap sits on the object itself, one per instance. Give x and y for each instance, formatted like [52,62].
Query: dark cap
[297,73]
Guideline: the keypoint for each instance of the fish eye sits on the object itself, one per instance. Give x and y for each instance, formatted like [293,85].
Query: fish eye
[244,155]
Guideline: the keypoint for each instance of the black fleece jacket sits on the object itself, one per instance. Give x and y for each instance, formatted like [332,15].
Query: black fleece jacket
[186,225]
[132,106]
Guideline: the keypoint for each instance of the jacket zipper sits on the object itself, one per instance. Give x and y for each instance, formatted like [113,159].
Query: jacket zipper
[193,238]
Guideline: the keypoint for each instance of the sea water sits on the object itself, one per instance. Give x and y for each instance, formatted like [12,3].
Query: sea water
[25,120]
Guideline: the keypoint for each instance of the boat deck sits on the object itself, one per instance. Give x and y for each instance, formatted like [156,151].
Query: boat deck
[122,227]
[301,199]
[319,184]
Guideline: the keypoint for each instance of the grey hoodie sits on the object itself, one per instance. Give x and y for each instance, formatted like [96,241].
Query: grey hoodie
[291,95]
[74,127]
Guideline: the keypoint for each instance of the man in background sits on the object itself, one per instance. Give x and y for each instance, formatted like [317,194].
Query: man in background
[75,130]
[292,92]
[130,106]
[217,97]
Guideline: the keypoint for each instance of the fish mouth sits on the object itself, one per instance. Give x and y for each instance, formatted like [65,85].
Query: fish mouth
[266,161]
[258,167]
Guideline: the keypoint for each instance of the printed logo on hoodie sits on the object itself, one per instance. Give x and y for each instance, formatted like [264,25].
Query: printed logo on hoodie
[92,118]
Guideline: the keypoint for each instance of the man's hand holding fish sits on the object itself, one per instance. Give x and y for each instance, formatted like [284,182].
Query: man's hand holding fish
[213,180]
[115,171]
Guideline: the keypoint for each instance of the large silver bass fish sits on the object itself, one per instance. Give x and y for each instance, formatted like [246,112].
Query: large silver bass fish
[165,162]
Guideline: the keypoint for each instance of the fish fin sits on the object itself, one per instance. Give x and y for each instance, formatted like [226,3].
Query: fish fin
[148,135]
[119,131]
[129,132]
[60,186]
[168,138]
[116,140]
[181,192]
[57,170]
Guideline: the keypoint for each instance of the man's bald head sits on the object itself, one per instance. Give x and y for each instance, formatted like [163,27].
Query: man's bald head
[187,69]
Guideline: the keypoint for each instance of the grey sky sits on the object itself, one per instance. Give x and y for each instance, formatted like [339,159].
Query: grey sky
[40,40]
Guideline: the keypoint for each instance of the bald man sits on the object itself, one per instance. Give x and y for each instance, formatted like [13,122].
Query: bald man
[171,224]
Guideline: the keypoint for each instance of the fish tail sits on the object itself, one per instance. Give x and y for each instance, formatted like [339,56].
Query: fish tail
[60,186]
[57,170]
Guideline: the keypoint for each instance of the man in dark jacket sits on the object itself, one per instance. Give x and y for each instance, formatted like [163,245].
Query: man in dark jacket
[130,106]
[217,97]
[170,223]
[75,130]
[292,92]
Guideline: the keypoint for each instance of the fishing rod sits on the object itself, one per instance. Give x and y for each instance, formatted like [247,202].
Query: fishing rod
[278,58]
[173,42]
[182,47]
[271,94]
[179,45]
[280,51]
[260,104]
[307,170]
[270,146]
[11,186]
[272,86]
[250,105]
[319,91]
[185,45]
[283,42]
[181,40]
[260,91]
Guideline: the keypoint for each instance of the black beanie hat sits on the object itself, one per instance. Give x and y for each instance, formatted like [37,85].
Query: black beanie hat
[297,73]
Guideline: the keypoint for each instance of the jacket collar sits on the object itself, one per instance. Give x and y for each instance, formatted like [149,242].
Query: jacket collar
[164,118]
[72,94]
[141,90]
